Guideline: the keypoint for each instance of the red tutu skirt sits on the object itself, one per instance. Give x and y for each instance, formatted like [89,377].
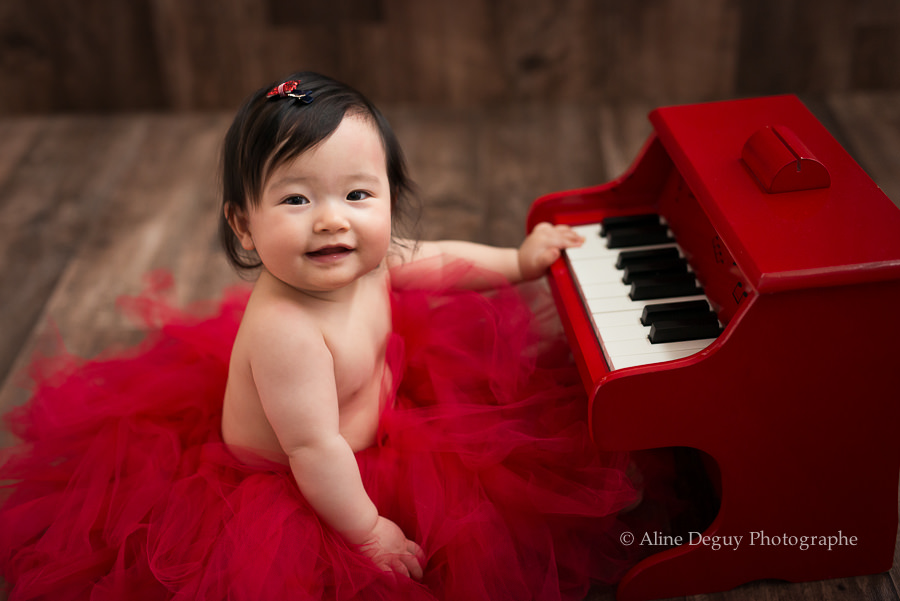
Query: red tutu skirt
[123,489]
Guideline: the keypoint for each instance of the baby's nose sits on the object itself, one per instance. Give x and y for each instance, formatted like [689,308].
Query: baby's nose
[331,219]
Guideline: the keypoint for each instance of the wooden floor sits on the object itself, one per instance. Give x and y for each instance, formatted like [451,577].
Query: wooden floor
[90,204]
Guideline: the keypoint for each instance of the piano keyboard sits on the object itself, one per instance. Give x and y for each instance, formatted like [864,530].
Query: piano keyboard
[644,301]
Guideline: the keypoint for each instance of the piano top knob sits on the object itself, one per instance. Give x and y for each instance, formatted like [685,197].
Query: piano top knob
[781,162]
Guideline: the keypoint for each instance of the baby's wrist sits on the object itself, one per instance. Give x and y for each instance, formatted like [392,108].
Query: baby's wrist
[363,531]
[529,265]
[520,271]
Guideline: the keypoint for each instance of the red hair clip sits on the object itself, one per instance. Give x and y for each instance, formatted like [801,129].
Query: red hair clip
[290,89]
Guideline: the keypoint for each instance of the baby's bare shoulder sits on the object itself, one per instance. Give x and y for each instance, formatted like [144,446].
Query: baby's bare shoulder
[274,324]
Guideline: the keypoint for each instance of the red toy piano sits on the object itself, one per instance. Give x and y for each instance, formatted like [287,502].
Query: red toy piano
[736,294]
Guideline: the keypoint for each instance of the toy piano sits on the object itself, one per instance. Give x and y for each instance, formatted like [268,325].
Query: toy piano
[736,294]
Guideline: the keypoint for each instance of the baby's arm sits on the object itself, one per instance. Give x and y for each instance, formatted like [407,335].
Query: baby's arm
[294,374]
[539,250]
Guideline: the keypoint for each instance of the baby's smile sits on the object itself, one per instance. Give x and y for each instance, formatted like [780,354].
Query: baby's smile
[330,253]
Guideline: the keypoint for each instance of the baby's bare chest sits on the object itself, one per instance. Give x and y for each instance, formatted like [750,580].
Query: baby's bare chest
[357,347]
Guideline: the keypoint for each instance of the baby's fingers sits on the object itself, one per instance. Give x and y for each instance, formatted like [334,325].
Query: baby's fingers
[561,236]
[419,556]
[568,237]
[407,564]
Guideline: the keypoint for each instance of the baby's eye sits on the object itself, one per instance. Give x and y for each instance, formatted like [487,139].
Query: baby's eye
[295,200]
[358,195]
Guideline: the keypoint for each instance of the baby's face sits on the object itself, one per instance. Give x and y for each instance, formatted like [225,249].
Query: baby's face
[324,219]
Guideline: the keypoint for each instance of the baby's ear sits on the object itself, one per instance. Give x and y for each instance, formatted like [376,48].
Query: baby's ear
[240,225]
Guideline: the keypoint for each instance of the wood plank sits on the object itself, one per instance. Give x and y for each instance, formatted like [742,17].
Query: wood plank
[871,123]
[92,55]
[874,588]
[48,200]
[794,45]
[671,52]
[875,51]
[18,137]
[156,209]
[440,150]
[531,150]
[439,54]
[163,215]
[210,54]
[625,128]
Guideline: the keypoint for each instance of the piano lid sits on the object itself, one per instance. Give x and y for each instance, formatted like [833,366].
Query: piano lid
[845,232]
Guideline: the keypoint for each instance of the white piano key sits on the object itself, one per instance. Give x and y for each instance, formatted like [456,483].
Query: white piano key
[602,290]
[630,331]
[587,230]
[598,250]
[597,271]
[643,346]
[625,341]
[608,304]
[617,318]
[624,361]
[593,243]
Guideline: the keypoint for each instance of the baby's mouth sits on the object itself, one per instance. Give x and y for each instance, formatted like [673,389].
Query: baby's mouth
[329,251]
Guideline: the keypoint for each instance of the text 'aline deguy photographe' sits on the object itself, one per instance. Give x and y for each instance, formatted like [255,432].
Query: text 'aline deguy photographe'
[759,538]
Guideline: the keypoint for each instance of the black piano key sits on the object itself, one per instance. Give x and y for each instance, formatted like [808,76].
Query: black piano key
[696,310]
[664,286]
[657,267]
[638,236]
[628,257]
[628,221]
[680,330]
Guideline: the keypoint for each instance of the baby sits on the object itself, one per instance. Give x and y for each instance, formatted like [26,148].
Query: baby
[313,180]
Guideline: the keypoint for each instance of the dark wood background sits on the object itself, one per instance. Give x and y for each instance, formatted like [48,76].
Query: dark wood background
[112,113]
[114,55]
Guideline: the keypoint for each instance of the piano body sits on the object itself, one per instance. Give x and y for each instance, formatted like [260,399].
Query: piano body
[793,392]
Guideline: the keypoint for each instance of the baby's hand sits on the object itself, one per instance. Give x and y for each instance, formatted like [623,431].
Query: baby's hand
[390,550]
[543,246]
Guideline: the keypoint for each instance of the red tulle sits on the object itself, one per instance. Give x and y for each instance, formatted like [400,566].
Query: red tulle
[123,489]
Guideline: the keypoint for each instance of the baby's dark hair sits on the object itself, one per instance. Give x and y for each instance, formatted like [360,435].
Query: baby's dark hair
[267,133]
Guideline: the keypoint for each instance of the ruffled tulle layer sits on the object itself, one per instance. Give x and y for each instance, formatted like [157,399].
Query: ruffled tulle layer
[123,489]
